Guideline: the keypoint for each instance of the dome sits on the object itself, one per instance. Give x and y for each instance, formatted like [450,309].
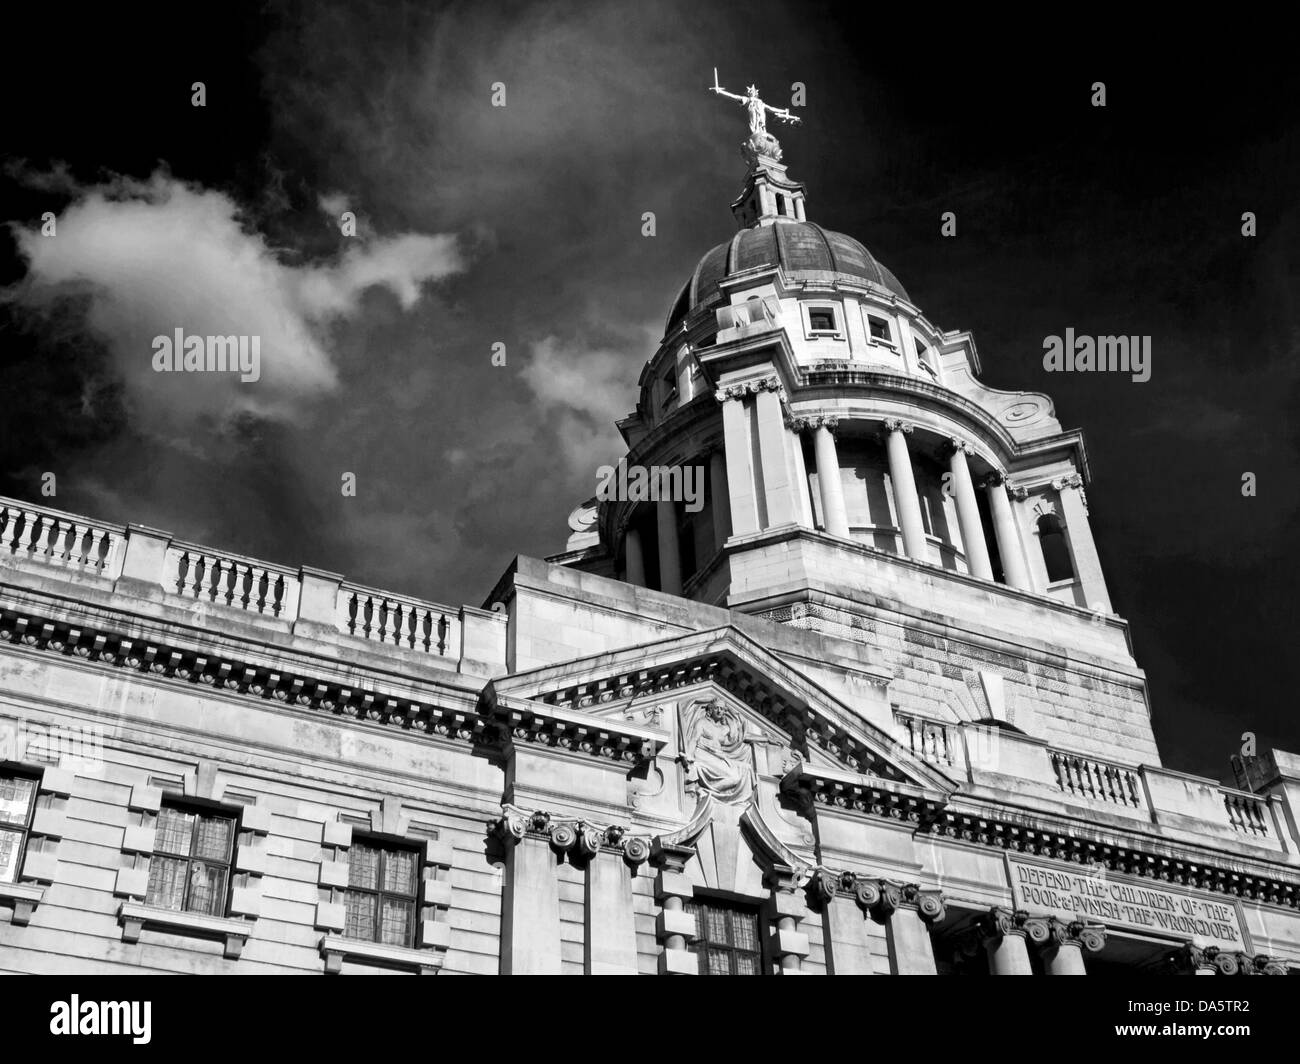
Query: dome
[799,248]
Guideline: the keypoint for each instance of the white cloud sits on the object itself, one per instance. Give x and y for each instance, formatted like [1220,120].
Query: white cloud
[153,256]
[588,389]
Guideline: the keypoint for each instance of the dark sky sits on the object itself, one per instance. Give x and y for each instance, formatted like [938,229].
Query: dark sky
[522,225]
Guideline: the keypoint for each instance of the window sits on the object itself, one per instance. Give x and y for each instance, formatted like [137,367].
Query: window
[381,894]
[1056,552]
[880,333]
[670,386]
[726,938]
[923,359]
[821,320]
[190,868]
[17,800]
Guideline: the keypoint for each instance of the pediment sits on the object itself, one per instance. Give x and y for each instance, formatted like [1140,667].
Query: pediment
[794,723]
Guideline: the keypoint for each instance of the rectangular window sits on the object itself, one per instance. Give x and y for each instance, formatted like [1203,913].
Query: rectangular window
[880,333]
[821,320]
[190,868]
[726,938]
[383,882]
[17,800]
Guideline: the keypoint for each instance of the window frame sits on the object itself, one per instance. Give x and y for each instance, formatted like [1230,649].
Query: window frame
[811,332]
[378,893]
[877,341]
[701,944]
[200,812]
[24,832]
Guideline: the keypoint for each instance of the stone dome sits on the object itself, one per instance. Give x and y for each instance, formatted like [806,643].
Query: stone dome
[799,248]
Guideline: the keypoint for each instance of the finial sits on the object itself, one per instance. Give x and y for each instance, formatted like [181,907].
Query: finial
[761,143]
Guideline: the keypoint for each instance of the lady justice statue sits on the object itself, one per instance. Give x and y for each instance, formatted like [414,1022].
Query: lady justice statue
[760,141]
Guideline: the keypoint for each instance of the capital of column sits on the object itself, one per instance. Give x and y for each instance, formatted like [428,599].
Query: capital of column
[1189,959]
[814,421]
[955,445]
[751,387]
[1000,922]
[890,897]
[568,834]
[1017,491]
[1089,937]
[993,479]
[826,885]
[1070,480]
[893,424]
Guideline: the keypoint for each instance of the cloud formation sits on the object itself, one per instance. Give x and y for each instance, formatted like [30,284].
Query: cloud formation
[145,257]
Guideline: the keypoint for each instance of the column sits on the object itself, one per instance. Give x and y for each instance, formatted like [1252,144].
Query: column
[720,499]
[1087,565]
[778,491]
[834,515]
[635,560]
[675,927]
[968,512]
[1066,943]
[530,896]
[1008,536]
[740,474]
[844,924]
[905,498]
[670,558]
[609,941]
[799,473]
[907,913]
[1005,935]
[785,910]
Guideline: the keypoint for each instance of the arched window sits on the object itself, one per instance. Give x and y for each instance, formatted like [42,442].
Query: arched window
[1056,552]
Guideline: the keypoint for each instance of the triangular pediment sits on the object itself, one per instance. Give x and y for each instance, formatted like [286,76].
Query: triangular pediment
[643,686]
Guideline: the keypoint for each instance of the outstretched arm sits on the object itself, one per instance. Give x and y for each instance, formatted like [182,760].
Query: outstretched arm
[724,92]
[782,113]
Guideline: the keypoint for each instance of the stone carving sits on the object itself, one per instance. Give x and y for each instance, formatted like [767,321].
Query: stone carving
[568,834]
[716,748]
[881,898]
[960,445]
[1071,480]
[814,421]
[893,424]
[753,387]
[1089,937]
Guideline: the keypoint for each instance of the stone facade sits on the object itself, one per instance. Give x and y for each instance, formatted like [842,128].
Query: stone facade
[869,710]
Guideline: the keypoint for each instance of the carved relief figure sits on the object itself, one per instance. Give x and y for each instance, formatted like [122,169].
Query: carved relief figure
[716,748]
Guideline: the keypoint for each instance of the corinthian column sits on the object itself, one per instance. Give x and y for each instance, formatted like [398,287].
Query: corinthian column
[1066,943]
[834,513]
[905,498]
[907,913]
[1004,528]
[968,512]
[670,558]
[1005,934]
